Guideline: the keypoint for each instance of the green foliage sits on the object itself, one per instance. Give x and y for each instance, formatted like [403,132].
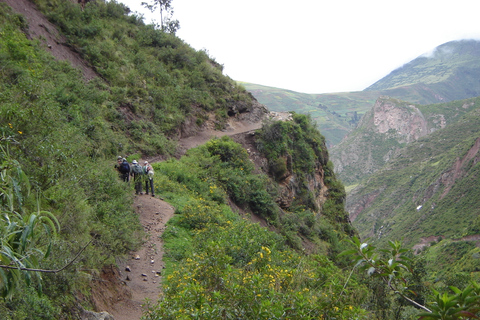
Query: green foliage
[296,146]
[222,265]
[25,238]
[393,267]
[298,149]
[60,134]
[218,169]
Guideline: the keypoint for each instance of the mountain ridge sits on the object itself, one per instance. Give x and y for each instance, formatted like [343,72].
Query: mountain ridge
[424,81]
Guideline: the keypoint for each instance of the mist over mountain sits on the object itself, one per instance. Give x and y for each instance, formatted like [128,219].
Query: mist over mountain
[450,72]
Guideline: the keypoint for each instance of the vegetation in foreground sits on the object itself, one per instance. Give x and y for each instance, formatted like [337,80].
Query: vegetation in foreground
[222,265]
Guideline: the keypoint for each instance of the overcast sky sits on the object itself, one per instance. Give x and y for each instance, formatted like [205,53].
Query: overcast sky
[319,46]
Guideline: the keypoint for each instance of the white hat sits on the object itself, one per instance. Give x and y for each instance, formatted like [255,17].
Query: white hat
[134,162]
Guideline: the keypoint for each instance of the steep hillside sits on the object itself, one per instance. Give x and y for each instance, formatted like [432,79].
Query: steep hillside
[429,189]
[450,73]
[390,125]
[62,201]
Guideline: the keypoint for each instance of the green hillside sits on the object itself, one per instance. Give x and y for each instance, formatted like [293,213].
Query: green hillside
[368,148]
[62,201]
[451,71]
[336,114]
[429,189]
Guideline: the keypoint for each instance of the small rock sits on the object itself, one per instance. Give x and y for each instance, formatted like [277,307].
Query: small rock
[152,261]
[127,268]
[145,279]
[128,278]
[144,275]
[137,257]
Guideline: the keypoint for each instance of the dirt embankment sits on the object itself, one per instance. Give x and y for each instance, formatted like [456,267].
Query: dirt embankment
[40,28]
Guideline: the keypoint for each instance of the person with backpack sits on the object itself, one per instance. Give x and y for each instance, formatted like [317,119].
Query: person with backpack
[124,169]
[137,173]
[148,171]
[118,164]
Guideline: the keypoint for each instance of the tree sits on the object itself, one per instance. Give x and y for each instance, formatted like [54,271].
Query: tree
[167,23]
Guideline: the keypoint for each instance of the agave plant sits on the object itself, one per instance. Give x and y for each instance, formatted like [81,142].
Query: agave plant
[25,238]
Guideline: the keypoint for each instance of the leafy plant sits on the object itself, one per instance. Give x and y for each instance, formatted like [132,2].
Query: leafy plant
[392,266]
[25,238]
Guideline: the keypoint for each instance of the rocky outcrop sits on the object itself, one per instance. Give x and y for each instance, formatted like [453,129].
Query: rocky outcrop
[407,123]
[387,127]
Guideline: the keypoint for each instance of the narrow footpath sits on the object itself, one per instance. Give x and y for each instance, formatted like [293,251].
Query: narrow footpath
[142,272]
[140,276]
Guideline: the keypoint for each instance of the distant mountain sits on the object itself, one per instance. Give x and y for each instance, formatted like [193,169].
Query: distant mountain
[430,188]
[450,72]
[389,126]
[336,114]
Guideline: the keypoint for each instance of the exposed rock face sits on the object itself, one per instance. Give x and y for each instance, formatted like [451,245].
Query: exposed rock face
[407,122]
[387,127]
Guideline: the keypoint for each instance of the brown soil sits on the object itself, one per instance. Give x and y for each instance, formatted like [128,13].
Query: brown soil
[40,28]
[141,274]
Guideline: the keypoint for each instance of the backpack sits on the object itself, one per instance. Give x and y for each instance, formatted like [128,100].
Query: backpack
[124,167]
[137,169]
[149,171]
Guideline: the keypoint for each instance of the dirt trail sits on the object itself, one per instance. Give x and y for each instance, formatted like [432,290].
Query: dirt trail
[141,274]
[143,280]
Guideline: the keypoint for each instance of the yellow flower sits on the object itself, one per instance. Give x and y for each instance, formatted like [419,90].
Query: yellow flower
[10,125]
[20,132]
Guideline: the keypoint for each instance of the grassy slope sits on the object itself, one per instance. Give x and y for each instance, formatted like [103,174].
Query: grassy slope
[335,114]
[454,63]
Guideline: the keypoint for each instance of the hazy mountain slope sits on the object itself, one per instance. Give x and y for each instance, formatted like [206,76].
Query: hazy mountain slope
[429,189]
[336,114]
[390,125]
[451,72]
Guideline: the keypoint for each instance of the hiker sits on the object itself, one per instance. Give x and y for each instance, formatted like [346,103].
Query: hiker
[148,171]
[118,164]
[124,169]
[137,173]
